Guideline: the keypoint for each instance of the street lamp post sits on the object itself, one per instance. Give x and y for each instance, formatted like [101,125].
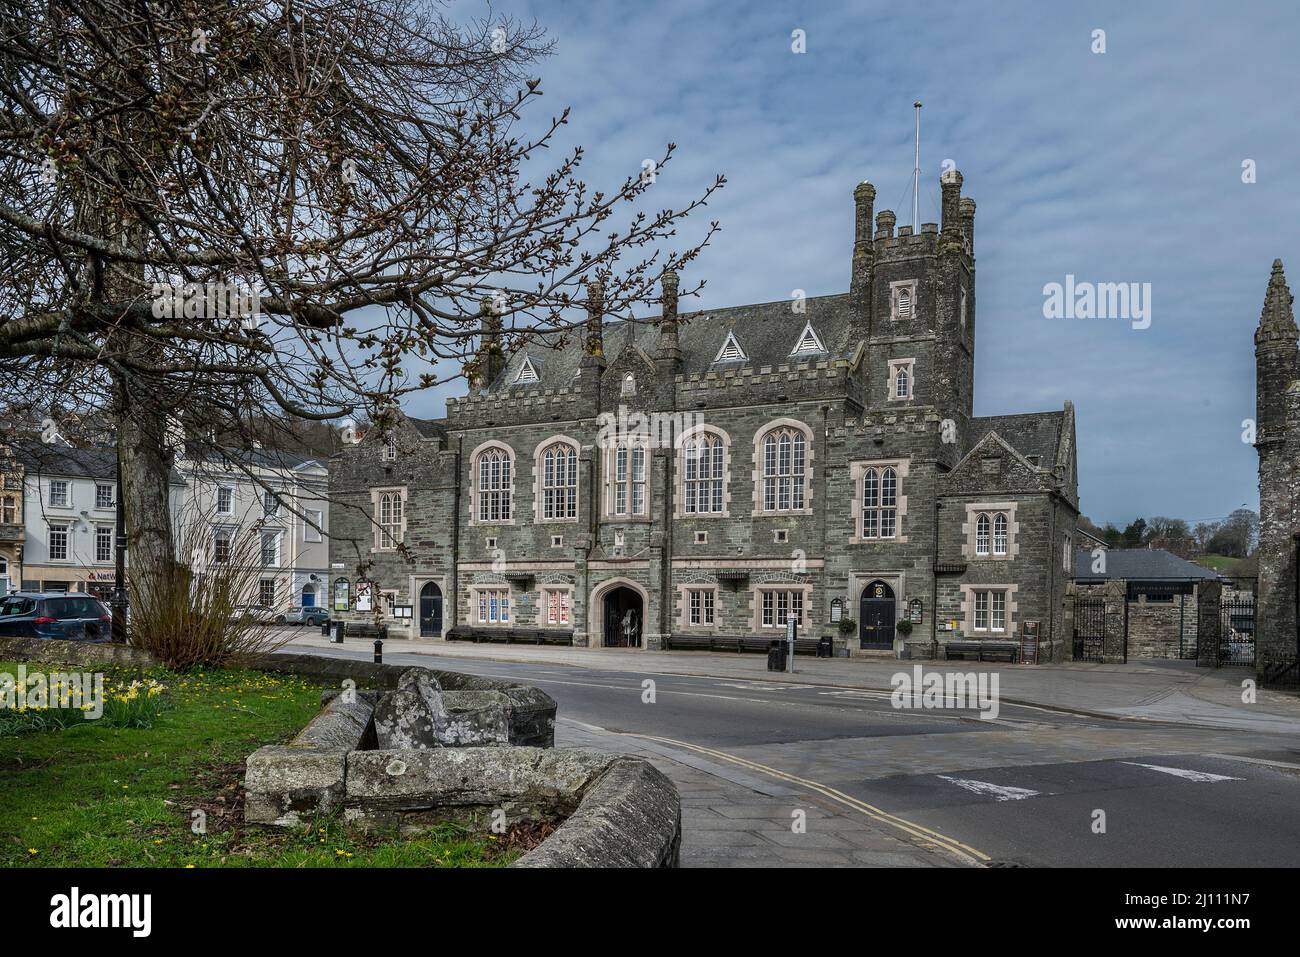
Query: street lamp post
[119,588]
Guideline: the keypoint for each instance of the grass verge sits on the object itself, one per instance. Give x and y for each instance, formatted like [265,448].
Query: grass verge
[85,794]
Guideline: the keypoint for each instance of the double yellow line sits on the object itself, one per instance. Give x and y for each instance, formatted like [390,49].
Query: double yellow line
[925,835]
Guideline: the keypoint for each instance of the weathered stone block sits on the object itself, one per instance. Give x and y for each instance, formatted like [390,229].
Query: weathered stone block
[413,715]
[284,784]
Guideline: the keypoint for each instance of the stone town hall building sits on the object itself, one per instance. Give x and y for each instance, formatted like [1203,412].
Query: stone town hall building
[826,465]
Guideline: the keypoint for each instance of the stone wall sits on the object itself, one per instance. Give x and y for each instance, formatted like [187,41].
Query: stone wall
[616,811]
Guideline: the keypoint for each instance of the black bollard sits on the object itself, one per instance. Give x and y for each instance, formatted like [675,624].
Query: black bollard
[379,651]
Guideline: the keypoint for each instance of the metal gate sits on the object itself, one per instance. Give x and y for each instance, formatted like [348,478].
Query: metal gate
[1089,629]
[1237,631]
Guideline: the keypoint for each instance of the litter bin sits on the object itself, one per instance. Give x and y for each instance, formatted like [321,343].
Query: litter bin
[825,647]
[776,655]
[338,632]
[325,628]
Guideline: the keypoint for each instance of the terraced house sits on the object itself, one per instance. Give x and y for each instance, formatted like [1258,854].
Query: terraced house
[721,472]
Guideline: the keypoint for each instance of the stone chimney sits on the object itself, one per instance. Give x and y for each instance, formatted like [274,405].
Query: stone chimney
[491,357]
[966,209]
[864,252]
[885,220]
[950,186]
[593,353]
[669,355]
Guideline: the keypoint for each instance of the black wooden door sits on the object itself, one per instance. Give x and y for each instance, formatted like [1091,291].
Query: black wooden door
[430,611]
[876,616]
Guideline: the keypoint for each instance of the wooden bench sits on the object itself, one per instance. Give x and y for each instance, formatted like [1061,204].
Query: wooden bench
[737,643]
[511,636]
[688,642]
[982,650]
[361,629]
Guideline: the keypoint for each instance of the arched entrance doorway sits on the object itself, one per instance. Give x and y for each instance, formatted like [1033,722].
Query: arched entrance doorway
[308,596]
[623,615]
[876,616]
[430,610]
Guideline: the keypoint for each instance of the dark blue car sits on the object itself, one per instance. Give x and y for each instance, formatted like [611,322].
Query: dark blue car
[68,616]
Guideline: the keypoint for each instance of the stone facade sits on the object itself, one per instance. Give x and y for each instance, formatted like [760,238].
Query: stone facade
[718,472]
[1277,439]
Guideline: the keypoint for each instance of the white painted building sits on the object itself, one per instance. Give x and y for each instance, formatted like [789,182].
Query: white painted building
[278,496]
[69,518]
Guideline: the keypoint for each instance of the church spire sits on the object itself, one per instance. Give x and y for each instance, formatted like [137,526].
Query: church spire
[1276,321]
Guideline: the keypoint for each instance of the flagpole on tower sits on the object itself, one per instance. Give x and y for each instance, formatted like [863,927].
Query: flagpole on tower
[916,174]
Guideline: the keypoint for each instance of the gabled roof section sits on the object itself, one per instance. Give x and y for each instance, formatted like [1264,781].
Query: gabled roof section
[809,342]
[1032,434]
[994,439]
[731,350]
[527,374]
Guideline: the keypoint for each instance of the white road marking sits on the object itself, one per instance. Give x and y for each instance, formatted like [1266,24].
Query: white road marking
[999,792]
[1204,777]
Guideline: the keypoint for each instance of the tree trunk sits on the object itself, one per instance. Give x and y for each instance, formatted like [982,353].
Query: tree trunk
[146,487]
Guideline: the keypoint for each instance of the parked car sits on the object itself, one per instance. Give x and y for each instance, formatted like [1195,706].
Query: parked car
[66,616]
[299,615]
[253,614]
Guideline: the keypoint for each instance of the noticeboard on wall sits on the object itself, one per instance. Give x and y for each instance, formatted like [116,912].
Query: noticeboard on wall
[342,594]
[365,596]
[837,610]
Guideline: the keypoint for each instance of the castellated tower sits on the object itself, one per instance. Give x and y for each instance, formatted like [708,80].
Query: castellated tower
[918,290]
[1277,439]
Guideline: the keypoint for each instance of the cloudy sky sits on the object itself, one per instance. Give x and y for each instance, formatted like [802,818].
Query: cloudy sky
[1122,166]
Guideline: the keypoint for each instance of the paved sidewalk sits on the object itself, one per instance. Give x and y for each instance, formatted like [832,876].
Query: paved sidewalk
[1173,691]
[732,817]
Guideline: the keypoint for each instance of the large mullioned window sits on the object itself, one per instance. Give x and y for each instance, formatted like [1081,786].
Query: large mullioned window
[784,464]
[628,481]
[390,519]
[880,503]
[559,481]
[704,466]
[494,485]
[779,606]
[990,611]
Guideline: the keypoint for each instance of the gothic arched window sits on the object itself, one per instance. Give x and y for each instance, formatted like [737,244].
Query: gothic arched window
[982,534]
[703,467]
[785,464]
[559,481]
[495,484]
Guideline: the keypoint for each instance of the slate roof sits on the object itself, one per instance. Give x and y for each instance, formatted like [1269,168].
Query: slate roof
[1029,433]
[61,460]
[429,428]
[1140,564]
[262,458]
[767,332]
